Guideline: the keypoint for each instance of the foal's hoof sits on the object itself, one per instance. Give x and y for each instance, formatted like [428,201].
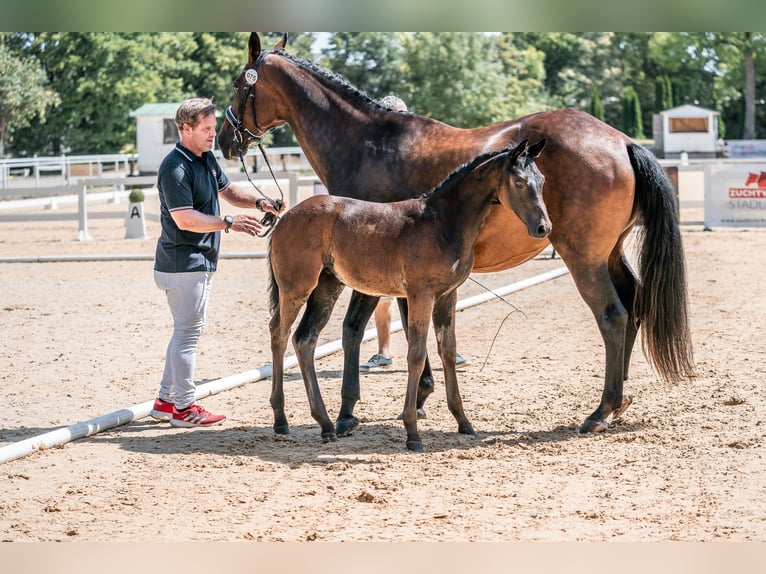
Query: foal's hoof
[329,437]
[415,445]
[591,425]
[282,430]
[466,429]
[421,414]
[346,425]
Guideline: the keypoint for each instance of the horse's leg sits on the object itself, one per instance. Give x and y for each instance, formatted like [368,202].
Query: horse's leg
[625,281]
[598,291]
[318,310]
[360,309]
[444,328]
[420,308]
[426,383]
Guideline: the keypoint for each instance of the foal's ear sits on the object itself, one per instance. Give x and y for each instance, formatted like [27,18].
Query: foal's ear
[282,43]
[520,148]
[254,48]
[535,149]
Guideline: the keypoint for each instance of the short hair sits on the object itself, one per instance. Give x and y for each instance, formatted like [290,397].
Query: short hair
[190,111]
[393,102]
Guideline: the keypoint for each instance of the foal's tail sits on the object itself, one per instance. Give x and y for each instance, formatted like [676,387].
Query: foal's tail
[661,299]
[273,287]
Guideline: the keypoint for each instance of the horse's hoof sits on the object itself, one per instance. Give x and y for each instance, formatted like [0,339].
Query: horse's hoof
[594,426]
[466,430]
[421,414]
[282,430]
[627,400]
[345,426]
[329,437]
[415,445]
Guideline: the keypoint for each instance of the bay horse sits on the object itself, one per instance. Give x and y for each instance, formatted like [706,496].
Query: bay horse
[599,184]
[420,249]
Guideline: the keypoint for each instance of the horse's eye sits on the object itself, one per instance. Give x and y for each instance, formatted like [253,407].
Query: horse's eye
[519,183]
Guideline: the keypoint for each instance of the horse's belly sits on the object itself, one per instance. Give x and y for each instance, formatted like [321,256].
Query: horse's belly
[503,243]
[372,280]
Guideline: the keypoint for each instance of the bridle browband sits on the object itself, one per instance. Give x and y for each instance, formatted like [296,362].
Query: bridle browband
[244,137]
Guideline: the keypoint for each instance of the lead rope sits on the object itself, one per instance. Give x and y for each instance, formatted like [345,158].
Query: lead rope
[514,309]
[269,219]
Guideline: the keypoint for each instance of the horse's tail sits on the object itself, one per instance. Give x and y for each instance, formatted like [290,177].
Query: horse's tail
[661,304]
[273,287]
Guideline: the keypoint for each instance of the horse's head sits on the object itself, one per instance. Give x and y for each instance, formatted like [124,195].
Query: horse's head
[243,124]
[521,188]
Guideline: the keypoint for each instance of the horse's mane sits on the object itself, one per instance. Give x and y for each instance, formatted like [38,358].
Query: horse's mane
[465,169]
[338,81]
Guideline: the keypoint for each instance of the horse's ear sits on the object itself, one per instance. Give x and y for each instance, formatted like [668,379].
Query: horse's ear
[254,48]
[282,43]
[535,149]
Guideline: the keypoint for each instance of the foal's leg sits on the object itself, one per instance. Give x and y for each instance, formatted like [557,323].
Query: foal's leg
[360,309]
[444,327]
[279,327]
[417,331]
[598,291]
[318,310]
[426,383]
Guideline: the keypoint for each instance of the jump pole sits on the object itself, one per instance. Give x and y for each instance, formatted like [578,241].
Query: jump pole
[114,419]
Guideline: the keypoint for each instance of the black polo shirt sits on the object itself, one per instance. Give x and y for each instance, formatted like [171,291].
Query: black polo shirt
[187,181]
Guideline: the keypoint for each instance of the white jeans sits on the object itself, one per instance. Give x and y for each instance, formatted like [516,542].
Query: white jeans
[187,295]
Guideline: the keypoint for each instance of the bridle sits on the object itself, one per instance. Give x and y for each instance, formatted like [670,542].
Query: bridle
[244,137]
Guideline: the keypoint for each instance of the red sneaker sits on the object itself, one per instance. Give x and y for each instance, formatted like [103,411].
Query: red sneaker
[195,416]
[162,410]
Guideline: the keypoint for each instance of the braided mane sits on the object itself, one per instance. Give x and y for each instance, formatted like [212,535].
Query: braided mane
[337,81]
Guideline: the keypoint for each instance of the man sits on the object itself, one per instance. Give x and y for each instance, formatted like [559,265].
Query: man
[190,181]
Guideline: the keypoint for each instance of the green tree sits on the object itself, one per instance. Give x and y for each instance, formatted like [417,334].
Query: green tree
[596,108]
[456,77]
[101,78]
[632,123]
[24,94]
[663,94]
[370,61]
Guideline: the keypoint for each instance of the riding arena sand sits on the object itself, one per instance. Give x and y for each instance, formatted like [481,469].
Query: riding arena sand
[685,463]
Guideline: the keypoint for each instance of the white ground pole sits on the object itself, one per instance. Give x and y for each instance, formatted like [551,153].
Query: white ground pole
[123,416]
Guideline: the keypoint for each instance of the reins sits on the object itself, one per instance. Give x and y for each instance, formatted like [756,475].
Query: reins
[269,219]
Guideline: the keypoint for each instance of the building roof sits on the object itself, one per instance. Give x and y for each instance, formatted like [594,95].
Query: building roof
[157,109]
[162,109]
[688,111]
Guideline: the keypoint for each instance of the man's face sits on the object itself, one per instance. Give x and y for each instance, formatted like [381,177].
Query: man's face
[200,138]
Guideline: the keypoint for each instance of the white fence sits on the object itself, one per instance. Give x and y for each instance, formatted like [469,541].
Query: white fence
[46,171]
[51,171]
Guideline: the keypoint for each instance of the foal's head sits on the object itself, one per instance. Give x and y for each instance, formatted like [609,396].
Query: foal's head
[521,188]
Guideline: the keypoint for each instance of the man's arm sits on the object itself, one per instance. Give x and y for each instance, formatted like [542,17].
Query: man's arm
[239,196]
[198,222]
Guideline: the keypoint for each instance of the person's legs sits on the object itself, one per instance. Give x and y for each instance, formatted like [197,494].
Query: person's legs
[382,358]
[383,325]
[187,295]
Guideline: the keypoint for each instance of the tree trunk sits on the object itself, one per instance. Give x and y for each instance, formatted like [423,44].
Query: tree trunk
[748,131]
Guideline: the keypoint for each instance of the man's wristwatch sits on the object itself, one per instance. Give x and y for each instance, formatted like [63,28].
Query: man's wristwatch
[229,222]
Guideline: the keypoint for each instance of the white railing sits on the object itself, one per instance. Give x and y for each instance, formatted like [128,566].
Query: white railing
[27,171]
[63,170]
